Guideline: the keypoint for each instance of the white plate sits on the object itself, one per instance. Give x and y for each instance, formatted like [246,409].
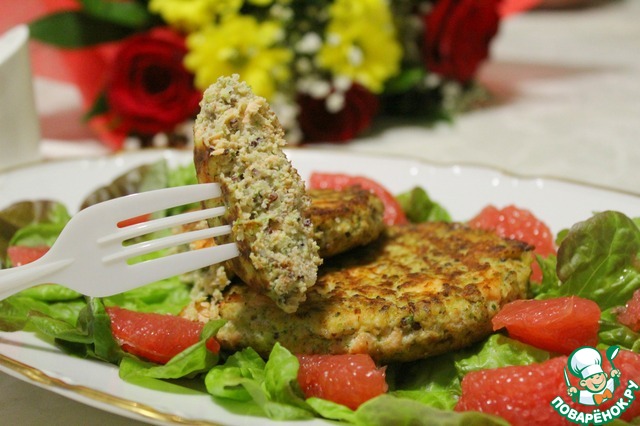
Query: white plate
[463,190]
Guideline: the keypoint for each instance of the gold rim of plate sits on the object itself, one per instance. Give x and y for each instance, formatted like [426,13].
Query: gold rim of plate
[145,411]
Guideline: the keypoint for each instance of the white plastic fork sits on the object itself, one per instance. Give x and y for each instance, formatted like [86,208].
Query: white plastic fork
[90,256]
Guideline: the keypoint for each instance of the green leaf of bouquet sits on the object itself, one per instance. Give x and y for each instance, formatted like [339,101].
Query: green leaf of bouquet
[405,81]
[75,29]
[130,13]
[99,107]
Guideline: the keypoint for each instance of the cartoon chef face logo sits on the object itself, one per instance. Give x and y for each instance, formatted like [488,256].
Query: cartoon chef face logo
[594,386]
[597,386]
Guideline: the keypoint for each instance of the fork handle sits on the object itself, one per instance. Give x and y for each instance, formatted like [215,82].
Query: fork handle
[13,280]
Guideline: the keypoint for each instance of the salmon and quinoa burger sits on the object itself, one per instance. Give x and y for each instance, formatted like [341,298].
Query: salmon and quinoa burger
[417,291]
[238,143]
[342,220]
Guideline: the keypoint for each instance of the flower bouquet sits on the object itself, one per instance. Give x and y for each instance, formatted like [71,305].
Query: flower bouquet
[329,68]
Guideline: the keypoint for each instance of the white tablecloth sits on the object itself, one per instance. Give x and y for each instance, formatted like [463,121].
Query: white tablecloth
[568,92]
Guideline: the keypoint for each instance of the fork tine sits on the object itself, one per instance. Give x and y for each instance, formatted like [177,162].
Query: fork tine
[133,205]
[133,231]
[146,247]
[169,266]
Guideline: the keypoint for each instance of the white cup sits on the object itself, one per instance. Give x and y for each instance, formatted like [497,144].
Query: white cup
[19,125]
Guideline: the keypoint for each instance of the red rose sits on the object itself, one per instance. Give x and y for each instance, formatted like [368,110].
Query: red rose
[457,36]
[320,125]
[150,90]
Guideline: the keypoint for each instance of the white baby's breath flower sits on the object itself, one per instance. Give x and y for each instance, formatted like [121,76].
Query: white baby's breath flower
[287,112]
[356,56]
[309,43]
[333,39]
[319,89]
[281,12]
[451,89]
[303,65]
[335,102]
[451,92]
[160,140]
[342,83]
[303,84]
[432,80]
[424,7]
[131,143]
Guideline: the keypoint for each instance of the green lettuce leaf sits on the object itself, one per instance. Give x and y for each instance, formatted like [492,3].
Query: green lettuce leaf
[97,323]
[51,293]
[331,410]
[498,351]
[419,207]
[40,234]
[613,333]
[22,223]
[272,385]
[140,179]
[194,360]
[391,410]
[180,176]
[598,259]
[550,283]
[438,378]
[79,327]
[168,296]
[15,310]
[59,329]
[226,381]
[89,336]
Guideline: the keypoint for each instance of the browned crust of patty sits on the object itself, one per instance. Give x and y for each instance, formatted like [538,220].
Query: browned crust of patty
[419,291]
[344,219]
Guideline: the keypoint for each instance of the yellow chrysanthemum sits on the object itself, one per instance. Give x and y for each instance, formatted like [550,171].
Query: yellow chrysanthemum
[239,45]
[360,43]
[189,15]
